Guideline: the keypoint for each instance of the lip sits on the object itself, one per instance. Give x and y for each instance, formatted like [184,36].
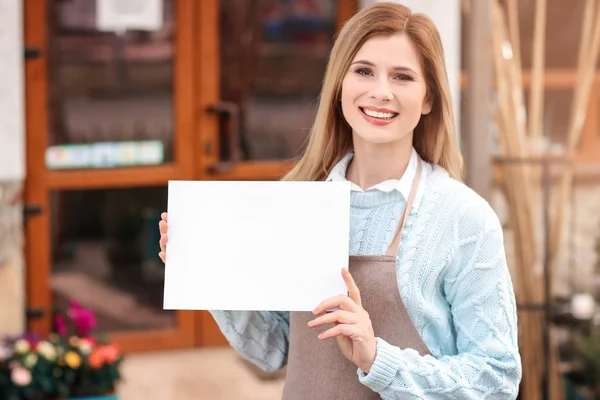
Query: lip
[385,110]
[377,121]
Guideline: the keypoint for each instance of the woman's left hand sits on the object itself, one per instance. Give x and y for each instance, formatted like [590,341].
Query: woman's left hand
[353,329]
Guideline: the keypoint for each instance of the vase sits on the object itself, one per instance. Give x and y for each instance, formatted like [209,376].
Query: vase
[101,397]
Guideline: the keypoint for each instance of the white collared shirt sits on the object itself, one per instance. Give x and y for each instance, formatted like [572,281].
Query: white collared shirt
[403,185]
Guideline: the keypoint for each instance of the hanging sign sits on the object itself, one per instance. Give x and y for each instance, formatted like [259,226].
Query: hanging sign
[120,15]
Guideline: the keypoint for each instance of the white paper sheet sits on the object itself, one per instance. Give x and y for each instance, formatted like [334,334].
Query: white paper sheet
[277,246]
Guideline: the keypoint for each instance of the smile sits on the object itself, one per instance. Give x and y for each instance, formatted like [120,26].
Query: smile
[378,117]
[377,114]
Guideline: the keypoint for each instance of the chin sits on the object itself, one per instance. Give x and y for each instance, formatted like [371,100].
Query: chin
[381,138]
[378,141]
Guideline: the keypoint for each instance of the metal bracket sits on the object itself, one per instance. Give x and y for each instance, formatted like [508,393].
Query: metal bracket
[30,210]
[32,52]
[34,313]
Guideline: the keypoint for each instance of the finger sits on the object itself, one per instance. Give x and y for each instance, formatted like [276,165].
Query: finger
[353,291]
[162,226]
[163,216]
[342,301]
[163,256]
[340,316]
[338,330]
[163,240]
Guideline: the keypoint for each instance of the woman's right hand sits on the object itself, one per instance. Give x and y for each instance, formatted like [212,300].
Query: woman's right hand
[162,227]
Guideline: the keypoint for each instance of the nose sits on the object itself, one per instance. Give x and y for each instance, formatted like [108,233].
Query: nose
[381,90]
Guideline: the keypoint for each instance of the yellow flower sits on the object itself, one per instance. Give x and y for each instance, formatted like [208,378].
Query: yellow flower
[22,346]
[47,350]
[72,359]
[85,346]
[30,360]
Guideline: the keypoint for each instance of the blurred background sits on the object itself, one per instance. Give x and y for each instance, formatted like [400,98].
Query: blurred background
[102,102]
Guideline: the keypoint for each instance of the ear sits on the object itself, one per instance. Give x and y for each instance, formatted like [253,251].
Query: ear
[427,104]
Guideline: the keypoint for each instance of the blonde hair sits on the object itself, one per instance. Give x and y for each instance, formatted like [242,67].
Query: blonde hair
[331,136]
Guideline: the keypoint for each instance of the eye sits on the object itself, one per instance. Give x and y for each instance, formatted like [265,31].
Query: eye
[404,77]
[364,71]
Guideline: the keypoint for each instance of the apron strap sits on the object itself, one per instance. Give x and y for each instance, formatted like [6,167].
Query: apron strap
[395,244]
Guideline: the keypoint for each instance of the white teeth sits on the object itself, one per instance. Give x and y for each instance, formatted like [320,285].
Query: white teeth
[376,114]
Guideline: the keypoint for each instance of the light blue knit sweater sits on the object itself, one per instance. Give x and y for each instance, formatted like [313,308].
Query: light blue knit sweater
[454,281]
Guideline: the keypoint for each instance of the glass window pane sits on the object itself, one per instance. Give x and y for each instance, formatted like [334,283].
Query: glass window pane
[110,96]
[105,255]
[273,59]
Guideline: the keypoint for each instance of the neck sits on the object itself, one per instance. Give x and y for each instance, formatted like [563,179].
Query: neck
[375,163]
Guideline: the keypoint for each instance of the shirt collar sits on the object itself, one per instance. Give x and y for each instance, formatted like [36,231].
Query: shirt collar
[403,185]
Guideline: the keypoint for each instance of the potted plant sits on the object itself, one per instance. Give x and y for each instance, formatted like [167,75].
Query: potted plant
[71,363]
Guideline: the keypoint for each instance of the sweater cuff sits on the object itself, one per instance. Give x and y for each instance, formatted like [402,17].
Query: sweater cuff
[383,370]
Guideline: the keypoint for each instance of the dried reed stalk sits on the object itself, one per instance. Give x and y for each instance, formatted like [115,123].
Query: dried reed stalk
[587,60]
[521,140]
[516,188]
[522,183]
[536,97]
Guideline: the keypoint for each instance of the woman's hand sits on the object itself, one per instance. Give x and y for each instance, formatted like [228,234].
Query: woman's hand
[162,227]
[353,329]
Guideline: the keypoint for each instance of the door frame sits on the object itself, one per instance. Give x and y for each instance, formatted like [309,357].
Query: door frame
[41,181]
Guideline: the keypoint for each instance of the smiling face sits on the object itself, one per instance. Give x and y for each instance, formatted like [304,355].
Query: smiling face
[384,91]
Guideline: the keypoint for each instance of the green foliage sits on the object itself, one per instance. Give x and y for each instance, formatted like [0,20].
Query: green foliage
[589,352]
[71,364]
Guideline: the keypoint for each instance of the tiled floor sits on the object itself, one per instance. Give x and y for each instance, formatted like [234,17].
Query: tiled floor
[207,374]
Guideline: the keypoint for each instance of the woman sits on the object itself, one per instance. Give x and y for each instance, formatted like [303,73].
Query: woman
[430,310]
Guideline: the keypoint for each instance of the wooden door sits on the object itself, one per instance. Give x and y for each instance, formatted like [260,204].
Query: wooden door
[261,64]
[110,119]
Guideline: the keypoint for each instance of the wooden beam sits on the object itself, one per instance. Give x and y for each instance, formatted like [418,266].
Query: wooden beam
[479,90]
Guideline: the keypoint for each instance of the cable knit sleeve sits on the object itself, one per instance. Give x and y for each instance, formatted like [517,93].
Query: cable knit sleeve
[261,337]
[480,295]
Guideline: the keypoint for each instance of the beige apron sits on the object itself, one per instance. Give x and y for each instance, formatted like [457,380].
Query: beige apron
[318,369]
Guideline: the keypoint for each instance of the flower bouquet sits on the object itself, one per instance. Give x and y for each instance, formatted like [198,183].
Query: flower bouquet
[70,364]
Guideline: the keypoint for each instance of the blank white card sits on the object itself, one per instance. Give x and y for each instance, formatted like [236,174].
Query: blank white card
[277,246]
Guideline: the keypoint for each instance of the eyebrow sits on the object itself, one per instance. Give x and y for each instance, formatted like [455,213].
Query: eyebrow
[396,68]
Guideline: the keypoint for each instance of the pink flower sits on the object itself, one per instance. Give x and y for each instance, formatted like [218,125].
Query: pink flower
[84,319]
[61,325]
[74,304]
[20,376]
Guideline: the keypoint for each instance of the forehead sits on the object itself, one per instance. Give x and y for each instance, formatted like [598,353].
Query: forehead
[390,51]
